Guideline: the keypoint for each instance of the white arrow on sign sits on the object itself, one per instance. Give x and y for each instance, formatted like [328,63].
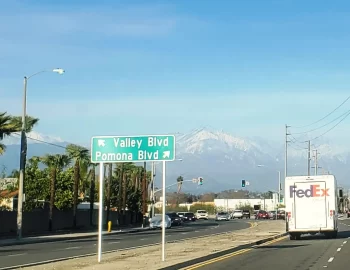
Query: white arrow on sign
[246,183]
[166,154]
[101,143]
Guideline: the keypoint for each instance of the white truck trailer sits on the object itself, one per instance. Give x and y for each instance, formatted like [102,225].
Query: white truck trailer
[311,205]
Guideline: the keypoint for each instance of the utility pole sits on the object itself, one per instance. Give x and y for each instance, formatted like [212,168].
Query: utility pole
[22,164]
[316,167]
[308,158]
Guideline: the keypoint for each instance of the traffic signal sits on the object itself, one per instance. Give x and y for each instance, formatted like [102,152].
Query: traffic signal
[200,181]
[243,183]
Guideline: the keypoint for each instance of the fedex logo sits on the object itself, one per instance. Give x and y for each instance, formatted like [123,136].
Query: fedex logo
[313,191]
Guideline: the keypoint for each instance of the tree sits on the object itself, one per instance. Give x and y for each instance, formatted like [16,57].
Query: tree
[7,126]
[179,181]
[36,185]
[55,163]
[80,155]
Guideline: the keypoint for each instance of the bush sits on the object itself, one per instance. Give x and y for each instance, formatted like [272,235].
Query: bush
[171,209]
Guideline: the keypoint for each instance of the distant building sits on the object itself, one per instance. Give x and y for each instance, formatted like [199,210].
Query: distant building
[257,204]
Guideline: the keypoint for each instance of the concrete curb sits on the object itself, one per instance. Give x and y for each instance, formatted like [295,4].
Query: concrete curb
[35,240]
[193,262]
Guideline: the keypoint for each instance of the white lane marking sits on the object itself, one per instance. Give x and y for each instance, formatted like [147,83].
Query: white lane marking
[196,231]
[345,242]
[142,239]
[339,249]
[72,247]
[18,254]
[331,259]
[111,243]
[184,233]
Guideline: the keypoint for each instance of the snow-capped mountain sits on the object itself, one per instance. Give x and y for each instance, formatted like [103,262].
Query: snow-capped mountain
[222,159]
[33,137]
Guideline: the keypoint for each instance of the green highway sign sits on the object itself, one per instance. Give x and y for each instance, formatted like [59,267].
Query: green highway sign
[113,149]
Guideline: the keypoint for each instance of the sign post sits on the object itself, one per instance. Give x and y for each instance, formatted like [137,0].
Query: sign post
[163,213]
[100,212]
[116,149]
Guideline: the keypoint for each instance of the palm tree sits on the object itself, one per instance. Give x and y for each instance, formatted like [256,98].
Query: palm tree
[6,128]
[179,181]
[11,124]
[55,163]
[81,157]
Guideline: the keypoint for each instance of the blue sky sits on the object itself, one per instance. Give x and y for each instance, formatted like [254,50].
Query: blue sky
[155,67]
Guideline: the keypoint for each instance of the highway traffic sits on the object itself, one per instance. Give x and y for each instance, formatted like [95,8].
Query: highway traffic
[14,256]
[311,252]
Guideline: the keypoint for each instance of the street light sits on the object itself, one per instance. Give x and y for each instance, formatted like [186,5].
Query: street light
[279,186]
[23,152]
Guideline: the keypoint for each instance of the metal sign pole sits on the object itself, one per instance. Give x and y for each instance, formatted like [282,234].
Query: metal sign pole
[163,215]
[100,212]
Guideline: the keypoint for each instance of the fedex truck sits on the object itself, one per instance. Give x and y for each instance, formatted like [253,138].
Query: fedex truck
[311,205]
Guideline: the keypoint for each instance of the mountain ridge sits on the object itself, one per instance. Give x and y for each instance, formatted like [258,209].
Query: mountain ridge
[221,158]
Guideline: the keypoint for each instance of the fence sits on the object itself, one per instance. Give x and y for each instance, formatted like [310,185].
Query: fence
[37,221]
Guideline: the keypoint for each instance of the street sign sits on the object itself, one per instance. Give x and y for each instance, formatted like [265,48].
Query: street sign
[114,149]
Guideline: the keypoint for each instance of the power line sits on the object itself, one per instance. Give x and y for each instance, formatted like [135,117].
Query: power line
[304,132]
[341,120]
[48,143]
[326,115]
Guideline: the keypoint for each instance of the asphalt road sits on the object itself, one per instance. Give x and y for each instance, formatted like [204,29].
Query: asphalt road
[15,256]
[309,253]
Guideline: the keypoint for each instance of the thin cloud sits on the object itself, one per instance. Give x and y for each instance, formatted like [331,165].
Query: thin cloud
[36,24]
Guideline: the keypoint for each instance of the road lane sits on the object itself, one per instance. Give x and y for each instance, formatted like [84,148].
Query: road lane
[32,253]
[309,253]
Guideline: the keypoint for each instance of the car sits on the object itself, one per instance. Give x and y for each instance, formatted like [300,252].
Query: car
[189,216]
[156,222]
[281,214]
[272,214]
[237,214]
[176,220]
[182,215]
[222,216]
[262,215]
[202,214]
[246,214]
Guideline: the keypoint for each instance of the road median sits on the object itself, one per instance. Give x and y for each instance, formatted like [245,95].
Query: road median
[178,255]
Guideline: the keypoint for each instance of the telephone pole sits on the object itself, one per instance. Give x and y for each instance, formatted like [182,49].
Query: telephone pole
[316,167]
[308,158]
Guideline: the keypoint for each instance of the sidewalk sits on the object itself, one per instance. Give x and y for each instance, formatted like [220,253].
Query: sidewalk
[63,237]
[145,258]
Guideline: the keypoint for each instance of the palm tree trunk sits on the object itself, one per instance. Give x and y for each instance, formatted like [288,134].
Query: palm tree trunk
[108,202]
[76,187]
[52,196]
[124,193]
[92,194]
